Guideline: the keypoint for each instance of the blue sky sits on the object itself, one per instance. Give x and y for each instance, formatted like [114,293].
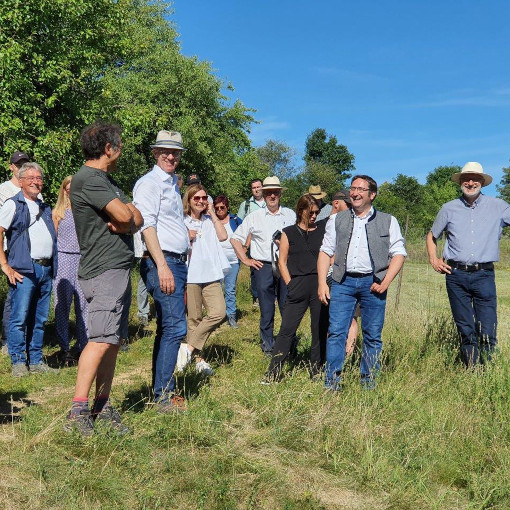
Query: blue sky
[406,85]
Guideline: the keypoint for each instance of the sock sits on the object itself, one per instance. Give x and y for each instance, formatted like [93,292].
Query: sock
[99,403]
[80,406]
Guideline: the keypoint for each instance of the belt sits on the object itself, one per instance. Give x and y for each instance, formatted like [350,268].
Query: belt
[470,268]
[43,262]
[358,275]
[181,257]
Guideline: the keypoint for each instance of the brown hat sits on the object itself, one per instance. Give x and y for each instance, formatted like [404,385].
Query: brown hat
[342,195]
[316,192]
[17,157]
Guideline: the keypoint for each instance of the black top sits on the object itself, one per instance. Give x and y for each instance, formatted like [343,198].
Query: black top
[304,249]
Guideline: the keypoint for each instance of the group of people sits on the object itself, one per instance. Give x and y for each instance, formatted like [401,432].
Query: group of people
[339,267]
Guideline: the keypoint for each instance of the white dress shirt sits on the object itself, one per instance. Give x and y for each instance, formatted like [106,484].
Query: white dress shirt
[358,256]
[262,224]
[157,197]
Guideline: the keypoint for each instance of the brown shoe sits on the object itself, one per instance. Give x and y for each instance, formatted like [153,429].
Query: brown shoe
[175,404]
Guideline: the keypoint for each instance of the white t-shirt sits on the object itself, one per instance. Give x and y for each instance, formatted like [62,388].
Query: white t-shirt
[208,261]
[7,190]
[41,243]
[227,245]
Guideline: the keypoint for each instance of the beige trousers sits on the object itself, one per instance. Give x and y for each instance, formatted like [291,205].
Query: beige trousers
[211,296]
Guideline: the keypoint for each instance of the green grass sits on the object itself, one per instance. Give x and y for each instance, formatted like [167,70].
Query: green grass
[432,436]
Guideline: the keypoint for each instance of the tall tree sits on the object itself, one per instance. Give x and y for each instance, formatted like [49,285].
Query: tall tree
[279,158]
[504,186]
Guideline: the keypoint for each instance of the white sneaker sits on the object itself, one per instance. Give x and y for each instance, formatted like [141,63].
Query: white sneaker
[183,357]
[202,367]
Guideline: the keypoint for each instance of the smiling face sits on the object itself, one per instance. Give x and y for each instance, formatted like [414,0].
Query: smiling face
[361,196]
[167,159]
[31,183]
[272,198]
[471,185]
[198,203]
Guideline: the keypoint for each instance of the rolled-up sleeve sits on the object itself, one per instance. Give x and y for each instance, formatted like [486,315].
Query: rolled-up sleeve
[397,245]
[147,199]
[329,240]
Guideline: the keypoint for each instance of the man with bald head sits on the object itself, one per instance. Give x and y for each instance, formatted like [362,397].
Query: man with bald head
[473,225]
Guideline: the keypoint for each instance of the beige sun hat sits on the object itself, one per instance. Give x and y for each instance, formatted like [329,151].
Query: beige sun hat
[472,168]
[168,140]
[316,192]
[272,183]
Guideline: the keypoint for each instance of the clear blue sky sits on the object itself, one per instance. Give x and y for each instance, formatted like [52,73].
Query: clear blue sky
[406,85]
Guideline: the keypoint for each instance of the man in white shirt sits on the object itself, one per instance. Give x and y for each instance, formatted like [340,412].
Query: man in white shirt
[30,267]
[163,266]
[369,252]
[262,225]
[7,190]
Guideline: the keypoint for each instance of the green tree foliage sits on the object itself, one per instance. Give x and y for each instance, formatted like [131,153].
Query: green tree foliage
[278,157]
[323,148]
[66,64]
[504,186]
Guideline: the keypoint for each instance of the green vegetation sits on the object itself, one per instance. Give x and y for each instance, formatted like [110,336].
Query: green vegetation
[433,435]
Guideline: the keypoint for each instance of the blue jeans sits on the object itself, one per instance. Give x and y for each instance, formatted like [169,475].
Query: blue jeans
[474,307]
[344,297]
[30,306]
[229,282]
[171,324]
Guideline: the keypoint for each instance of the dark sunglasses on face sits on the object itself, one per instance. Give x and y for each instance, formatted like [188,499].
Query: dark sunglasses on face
[219,207]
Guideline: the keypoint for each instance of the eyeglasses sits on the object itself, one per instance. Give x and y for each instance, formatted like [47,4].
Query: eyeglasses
[32,179]
[197,199]
[219,207]
[359,189]
[176,153]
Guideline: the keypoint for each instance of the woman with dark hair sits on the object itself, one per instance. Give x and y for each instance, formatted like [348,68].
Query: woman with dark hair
[206,267]
[230,222]
[299,251]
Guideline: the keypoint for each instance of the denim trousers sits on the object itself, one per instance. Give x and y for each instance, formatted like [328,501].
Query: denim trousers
[473,302]
[30,306]
[171,324]
[229,283]
[269,288]
[344,297]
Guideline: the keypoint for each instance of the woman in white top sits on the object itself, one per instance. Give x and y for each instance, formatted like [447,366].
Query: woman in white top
[206,267]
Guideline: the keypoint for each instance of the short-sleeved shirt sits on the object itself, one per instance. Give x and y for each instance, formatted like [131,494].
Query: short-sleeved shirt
[91,191]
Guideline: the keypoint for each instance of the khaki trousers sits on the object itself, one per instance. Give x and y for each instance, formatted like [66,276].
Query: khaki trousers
[211,297]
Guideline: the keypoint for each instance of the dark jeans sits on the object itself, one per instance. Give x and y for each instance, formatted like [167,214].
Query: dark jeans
[474,307]
[302,294]
[253,284]
[267,288]
[171,324]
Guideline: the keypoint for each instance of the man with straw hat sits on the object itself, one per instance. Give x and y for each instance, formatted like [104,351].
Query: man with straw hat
[473,225]
[319,195]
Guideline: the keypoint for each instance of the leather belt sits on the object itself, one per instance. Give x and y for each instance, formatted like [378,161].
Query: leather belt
[358,275]
[470,268]
[181,257]
[43,262]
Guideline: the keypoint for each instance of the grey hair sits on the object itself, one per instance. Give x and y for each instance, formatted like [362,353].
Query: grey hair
[30,166]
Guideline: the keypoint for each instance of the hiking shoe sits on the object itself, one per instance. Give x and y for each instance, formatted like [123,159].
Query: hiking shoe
[183,357]
[124,345]
[82,423]
[5,349]
[66,358]
[175,404]
[232,322]
[110,417]
[42,368]
[202,367]
[20,370]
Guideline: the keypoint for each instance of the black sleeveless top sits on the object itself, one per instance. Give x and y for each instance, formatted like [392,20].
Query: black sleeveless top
[304,249]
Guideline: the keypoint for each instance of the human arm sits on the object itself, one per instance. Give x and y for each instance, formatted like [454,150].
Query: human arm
[437,263]
[241,254]
[395,266]
[323,263]
[12,275]
[282,259]
[124,218]
[218,225]
[165,275]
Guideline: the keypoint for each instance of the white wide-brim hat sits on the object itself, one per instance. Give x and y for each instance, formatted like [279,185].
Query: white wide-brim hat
[168,140]
[272,183]
[472,168]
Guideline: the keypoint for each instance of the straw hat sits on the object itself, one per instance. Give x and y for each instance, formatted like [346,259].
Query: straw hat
[472,168]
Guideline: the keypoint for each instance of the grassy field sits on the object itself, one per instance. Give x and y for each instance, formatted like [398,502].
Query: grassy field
[432,436]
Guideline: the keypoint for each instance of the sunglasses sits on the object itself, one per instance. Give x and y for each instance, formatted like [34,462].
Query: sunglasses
[219,207]
[197,199]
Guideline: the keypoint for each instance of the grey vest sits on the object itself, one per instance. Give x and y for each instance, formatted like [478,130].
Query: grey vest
[378,237]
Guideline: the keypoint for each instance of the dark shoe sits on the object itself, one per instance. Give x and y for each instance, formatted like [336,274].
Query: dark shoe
[175,404]
[20,370]
[82,423]
[232,322]
[124,345]
[66,358]
[110,417]
[42,368]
